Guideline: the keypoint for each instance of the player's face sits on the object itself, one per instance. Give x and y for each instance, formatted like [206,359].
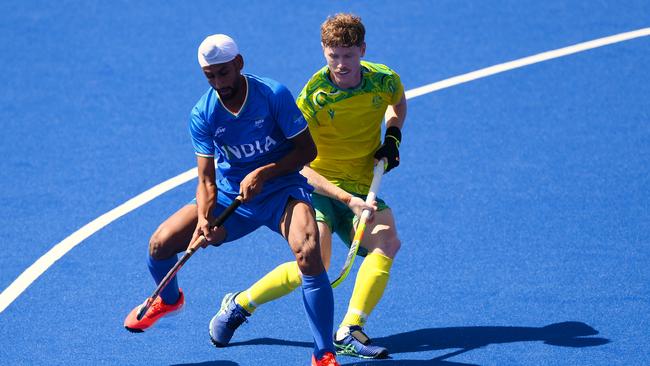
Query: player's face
[344,64]
[224,78]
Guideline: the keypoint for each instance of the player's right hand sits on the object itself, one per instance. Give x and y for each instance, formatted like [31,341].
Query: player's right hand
[358,205]
[203,229]
[251,185]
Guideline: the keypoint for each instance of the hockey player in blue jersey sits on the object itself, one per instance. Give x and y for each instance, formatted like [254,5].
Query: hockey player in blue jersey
[251,128]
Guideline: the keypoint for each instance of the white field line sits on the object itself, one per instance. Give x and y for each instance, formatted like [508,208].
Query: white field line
[34,271]
[540,57]
[59,250]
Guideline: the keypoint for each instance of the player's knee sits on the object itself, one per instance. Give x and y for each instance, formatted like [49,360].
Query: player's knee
[308,255]
[305,252]
[159,247]
[391,246]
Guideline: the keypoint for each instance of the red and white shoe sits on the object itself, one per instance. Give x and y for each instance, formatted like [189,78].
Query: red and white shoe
[156,311]
[328,359]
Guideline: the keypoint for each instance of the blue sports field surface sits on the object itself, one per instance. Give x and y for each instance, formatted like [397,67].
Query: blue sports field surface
[522,201]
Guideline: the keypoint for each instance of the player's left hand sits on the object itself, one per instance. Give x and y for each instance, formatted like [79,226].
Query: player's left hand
[251,185]
[389,150]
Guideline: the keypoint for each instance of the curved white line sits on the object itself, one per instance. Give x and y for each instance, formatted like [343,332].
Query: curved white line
[59,250]
[540,57]
[43,263]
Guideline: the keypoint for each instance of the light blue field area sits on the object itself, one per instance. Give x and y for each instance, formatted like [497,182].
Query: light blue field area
[522,199]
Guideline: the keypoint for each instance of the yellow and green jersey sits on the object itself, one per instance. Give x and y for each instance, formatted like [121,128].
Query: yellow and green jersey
[346,123]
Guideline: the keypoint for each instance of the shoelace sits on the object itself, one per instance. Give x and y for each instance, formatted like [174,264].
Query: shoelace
[155,309]
[235,318]
[350,345]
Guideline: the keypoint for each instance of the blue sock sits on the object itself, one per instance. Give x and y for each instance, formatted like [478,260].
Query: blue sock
[319,304]
[159,269]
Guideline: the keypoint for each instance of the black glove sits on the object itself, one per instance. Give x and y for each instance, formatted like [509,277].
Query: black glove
[390,148]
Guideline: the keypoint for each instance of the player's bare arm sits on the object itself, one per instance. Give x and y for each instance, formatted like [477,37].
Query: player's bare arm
[324,187]
[303,152]
[396,114]
[206,196]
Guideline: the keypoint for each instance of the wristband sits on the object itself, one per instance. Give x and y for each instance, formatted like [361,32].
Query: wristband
[395,134]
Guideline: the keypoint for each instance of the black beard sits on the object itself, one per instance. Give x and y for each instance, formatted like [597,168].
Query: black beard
[228,96]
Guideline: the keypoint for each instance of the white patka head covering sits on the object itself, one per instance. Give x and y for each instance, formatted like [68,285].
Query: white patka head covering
[217,49]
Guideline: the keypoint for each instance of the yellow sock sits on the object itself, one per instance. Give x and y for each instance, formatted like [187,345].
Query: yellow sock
[368,288]
[275,284]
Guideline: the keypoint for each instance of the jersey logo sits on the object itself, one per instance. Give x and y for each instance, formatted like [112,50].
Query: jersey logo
[331,113]
[259,123]
[320,98]
[258,147]
[220,131]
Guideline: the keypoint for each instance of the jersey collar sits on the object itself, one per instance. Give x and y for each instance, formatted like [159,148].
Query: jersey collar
[326,75]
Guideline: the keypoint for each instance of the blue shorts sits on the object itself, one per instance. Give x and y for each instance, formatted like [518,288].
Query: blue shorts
[265,209]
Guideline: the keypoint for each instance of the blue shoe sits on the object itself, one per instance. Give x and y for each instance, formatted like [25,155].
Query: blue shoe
[227,320]
[356,343]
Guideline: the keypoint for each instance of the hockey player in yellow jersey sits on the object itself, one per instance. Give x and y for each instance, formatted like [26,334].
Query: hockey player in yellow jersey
[344,104]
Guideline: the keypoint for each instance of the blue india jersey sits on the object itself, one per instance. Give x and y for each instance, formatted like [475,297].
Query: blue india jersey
[257,135]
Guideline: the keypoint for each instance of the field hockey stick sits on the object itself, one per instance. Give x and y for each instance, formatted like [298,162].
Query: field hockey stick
[361,228]
[188,253]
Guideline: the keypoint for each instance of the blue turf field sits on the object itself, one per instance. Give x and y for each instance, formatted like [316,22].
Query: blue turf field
[523,199]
